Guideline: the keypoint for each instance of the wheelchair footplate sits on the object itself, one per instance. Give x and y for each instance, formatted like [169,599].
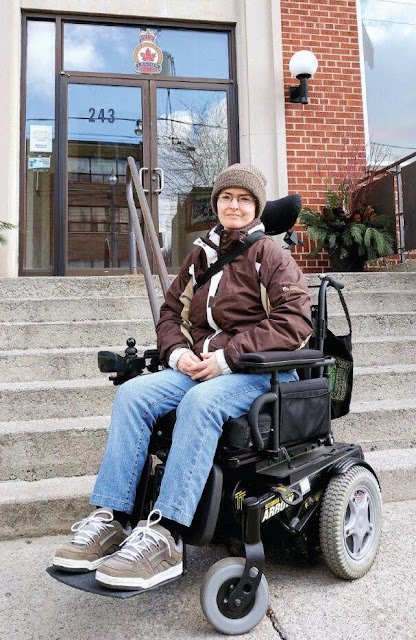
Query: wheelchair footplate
[87,582]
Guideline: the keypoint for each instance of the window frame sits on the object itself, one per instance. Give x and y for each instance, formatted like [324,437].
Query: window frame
[60,19]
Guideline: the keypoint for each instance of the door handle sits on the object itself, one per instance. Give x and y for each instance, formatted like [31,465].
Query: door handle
[141,172]
[161,175]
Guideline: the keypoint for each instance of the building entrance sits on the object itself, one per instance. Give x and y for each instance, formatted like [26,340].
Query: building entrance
[161,94]
[179,137]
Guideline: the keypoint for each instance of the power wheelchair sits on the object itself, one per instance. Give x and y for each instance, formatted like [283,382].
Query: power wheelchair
[277,475]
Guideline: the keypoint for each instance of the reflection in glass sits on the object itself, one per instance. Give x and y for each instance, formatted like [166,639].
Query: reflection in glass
[109,49]
[103,129]
[40,145]
[389,46]
[193,148]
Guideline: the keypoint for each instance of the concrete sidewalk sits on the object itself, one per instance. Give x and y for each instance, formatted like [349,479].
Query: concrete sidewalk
[306,603]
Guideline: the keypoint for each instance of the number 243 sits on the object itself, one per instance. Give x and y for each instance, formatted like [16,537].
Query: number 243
[93,118]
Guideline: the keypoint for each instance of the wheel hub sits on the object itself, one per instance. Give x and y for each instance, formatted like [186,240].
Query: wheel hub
[359,523]
[222,600]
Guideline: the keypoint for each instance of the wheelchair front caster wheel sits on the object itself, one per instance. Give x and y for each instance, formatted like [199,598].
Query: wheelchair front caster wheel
[217,585]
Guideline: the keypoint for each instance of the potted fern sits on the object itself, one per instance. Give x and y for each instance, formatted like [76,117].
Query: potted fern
[351,231]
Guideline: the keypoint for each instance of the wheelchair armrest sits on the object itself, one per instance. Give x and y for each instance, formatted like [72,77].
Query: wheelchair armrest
[283,360]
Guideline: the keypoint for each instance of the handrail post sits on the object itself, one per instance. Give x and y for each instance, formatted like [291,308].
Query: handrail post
[132,247]
[400,213]
[134,217]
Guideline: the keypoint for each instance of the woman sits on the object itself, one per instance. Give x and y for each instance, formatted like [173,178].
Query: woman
[258,302]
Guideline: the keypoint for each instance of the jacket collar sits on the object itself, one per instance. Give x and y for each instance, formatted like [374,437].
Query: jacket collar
[219,239]
[224,238]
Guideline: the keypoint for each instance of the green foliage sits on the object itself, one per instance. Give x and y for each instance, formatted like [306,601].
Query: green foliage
[4,226]
[339,230]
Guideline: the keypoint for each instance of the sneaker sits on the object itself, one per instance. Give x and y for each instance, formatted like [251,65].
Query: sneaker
[96,536]
[149,556]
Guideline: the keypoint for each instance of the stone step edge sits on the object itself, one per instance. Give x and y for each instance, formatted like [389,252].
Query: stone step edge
[45,385]
[381,339]
[389,314]
[18,491]
[84,423]
[386,464]
[396,471]
[141,348]
[50,425]
[72,350]
[140,296]
[101,381]
[127,296]
[65,323]
[385,369]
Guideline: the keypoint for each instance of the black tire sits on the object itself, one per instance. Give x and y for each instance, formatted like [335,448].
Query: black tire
[218,581]
[350,522]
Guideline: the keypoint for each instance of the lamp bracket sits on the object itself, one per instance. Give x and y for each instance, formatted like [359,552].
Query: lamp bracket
[299,93]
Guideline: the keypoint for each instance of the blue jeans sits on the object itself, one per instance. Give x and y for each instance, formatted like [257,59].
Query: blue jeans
[201,410]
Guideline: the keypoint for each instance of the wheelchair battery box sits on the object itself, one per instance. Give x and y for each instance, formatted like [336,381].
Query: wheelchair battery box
[304,416]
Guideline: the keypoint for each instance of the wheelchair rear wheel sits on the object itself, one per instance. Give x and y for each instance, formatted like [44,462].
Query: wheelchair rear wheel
[350,522]
[217,584]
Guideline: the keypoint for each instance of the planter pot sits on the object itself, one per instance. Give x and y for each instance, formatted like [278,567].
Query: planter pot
[352,262]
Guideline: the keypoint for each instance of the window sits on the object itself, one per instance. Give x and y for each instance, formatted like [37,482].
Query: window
[389,42]
[109,49]
[39,145]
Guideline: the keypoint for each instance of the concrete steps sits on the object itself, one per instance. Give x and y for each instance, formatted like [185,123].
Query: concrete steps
[92,396]
[44,448]
[131,286]
[96,287]
[56,399]
[381,301]
[21,365]
[379,424]
[52,505]
[373,350]
[39,449]
[55,405]
[75,309]
[82,308]
[44,335]
[90,333]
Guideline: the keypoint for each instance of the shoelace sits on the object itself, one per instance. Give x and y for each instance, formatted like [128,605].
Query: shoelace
[143,538]
[87,528]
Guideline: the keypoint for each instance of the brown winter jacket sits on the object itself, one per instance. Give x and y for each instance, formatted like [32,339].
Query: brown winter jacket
[258,302]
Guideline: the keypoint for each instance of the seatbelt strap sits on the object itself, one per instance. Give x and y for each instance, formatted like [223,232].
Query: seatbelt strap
[239,248]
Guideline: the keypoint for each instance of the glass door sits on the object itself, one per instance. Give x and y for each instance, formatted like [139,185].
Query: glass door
[105,124]
[179,135]
[193,146]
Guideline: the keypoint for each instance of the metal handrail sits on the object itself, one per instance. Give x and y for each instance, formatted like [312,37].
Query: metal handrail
[394,164]
[133,179]
[396,169]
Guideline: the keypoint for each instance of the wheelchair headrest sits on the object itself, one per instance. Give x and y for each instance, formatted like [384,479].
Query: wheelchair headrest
[280,215]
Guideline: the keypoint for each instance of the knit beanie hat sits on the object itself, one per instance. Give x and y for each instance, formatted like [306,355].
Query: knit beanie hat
[244,176]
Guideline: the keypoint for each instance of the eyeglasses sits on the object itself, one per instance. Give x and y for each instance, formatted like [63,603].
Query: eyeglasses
[243,201]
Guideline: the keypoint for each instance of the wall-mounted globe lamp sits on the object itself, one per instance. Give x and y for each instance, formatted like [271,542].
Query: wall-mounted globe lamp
[302,65]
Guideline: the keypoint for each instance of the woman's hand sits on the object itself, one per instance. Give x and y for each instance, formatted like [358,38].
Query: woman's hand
[207,369]
[187,362]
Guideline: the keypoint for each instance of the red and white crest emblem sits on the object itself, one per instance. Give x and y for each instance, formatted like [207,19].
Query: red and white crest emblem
[147,56]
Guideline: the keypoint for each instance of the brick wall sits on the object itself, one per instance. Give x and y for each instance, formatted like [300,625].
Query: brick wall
[323,135]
